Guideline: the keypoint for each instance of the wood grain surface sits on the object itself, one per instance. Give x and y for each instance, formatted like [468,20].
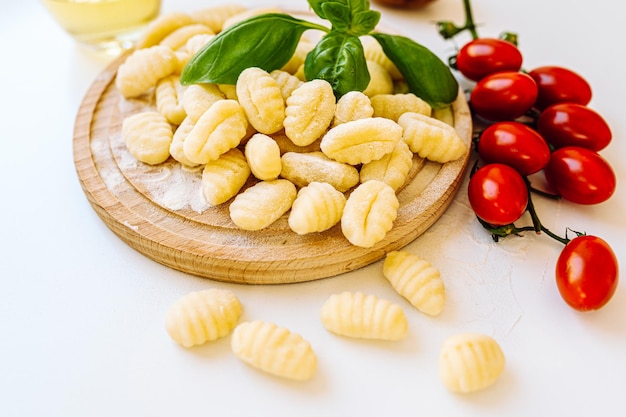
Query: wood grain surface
[152,209]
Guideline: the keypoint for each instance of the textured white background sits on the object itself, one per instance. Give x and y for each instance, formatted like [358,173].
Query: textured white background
[81,313]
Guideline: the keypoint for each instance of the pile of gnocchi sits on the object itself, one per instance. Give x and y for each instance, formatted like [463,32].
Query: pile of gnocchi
[468,362]
[275,143]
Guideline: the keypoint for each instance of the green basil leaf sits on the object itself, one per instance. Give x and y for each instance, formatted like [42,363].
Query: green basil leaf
[338,15]
[364,22]
[339,59]
[316,6]
[426,75]
[265,41]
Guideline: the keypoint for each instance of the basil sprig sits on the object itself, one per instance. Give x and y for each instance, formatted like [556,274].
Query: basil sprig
[269,40]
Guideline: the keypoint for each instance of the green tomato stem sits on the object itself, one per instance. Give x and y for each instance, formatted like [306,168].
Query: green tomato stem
[469,19]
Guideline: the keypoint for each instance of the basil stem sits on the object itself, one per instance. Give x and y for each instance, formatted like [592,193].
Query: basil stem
[339,59]
[265,41]
[427,76]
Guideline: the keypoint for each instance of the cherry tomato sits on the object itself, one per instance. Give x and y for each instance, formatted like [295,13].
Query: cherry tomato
[485,56]
[504,95]
[514,144]
[580,175]
[559,85]
[587,273]
[498,194]
[571,124]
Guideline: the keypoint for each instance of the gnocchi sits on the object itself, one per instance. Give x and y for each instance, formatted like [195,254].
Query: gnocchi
[262,100]
[219,129]
[363,316]
[309,112]
[392,106]
[168,96]
[224,177]
[263,156]
[361,141]
[416,280]
[202,316]
[305,168]
[143,69]
[262,204]
[162,26]
[369,213]
[351,106]
[392,169]
[275,350]
[380,80]
[470,362]
[148,136]
[317,207]
[178,140]
[215,16]
[431,138]
[197,99]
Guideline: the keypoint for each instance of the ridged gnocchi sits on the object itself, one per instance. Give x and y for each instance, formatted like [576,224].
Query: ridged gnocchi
[168,95]
[353,105]
[430,138]
[305,168]
[309,112]
[224,177]
[369,213]
[392,169]
[363,316]
[470,362]
[286,82]
[263,156]
[275,350]
[179,37]
[178,141]
[361,141]
[417,280]
[202,316]
[162,26]
[261,98]
[392,106]
[262,204]
[143,69]
[219,129]
[148,136]
[317,207]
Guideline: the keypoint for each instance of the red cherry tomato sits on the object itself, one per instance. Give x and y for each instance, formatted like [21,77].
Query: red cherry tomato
[571,124]
[559,85]
[514,144]
[485,56]
[498,194]
[580,175]
[587,273]
[503,96]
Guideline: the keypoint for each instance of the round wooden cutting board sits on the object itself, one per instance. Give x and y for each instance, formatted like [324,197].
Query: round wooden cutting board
[159,211]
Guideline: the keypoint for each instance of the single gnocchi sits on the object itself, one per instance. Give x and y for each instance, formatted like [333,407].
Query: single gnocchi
[470,362]
[309,112]
[262,204]
[179,37]
[203,316]
[219,129]
[369,213]
[143,69]
[274,349]
[363,316]
[317,207]
[392,106]
[361,141]
[148,136]
[262,100]
[224,177]
[305,168]
[169,93]
[263,156]
[286,82]
[417,280]
[392,169]
[431,139]
[380,80]
[353,105]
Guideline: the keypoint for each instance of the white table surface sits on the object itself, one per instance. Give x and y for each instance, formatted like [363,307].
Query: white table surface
[82,314]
